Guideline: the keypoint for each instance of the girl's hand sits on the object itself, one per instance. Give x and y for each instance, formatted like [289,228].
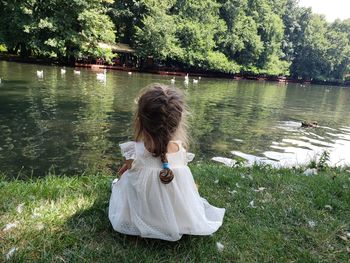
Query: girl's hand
[126,166]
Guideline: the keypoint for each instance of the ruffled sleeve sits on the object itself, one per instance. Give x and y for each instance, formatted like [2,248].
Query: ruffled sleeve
[128,150]
[189,157]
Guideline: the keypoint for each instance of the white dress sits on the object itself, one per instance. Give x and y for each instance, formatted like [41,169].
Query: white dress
[142,205]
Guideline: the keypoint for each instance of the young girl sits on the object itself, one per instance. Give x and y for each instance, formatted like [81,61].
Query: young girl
[156,196]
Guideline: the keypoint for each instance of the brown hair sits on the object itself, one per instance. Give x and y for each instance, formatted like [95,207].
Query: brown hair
[160,118]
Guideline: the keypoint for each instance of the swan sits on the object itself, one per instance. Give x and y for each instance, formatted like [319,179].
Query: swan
[40,74]
[172,80]
[63,71]
[186,77]
[186,81]
[101,76]
[195,81]
[77,72]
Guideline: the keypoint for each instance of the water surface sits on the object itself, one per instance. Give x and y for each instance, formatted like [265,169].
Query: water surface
[74,122]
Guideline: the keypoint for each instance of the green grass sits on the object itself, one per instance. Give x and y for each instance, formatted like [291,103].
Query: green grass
[64,219]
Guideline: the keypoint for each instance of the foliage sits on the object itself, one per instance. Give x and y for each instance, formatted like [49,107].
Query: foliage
[56,28]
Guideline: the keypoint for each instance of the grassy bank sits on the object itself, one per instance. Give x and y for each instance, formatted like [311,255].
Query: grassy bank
[297,218]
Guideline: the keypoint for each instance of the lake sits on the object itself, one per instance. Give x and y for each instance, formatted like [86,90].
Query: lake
[70,123]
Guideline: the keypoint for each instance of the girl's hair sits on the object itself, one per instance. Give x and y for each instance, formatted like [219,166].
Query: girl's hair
[160,118]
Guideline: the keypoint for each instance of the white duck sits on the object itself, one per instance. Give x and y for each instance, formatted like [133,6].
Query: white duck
[77,72]
[195,81]
[172,80]
[40,74]
[63,71]
[101,76]
[129,73]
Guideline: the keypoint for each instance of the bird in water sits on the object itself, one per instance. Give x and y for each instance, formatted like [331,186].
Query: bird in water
[77,72]
[195,81]
[102,76]
[129,73]
[63,71]
[186,79]
[309,124]
[172,80]
[40,74]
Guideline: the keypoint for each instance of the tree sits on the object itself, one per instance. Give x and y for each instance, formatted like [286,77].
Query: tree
[57,28]
[338,52]
[311,61]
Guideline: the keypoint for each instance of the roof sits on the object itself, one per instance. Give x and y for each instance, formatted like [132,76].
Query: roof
[118,47]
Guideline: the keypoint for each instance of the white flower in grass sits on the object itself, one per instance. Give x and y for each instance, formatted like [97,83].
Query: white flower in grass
[232,192]
[19,208]
[311,223]
[216,181]
[11,252]
[9,226]
[251,204]
[260,189]
[220,246]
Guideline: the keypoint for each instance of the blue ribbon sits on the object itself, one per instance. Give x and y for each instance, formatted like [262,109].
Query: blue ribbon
[166,166]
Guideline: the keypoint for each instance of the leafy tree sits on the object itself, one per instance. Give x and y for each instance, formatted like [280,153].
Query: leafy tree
[338,53]
[57,28]
[311,57]
[156,36]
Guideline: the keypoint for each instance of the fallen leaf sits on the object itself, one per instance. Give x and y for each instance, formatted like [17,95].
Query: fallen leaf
[260,189]
[219,246]
[11,252]
[330,208]
[9,226]
[19,208]
[345,238]
[251,204]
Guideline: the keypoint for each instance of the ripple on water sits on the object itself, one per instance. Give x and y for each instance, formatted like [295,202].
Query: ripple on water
[304,147]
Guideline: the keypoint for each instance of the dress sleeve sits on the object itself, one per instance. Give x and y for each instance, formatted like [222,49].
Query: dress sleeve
[189,157]
[128,150]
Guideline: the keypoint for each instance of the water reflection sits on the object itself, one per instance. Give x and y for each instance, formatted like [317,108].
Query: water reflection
[75,122]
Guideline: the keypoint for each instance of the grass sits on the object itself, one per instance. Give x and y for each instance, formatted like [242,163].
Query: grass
[297,218]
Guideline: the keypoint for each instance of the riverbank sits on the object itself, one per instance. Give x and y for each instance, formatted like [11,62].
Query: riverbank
[273,215]
[177,72]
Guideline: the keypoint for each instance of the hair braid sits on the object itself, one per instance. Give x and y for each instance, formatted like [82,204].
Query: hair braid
[166,175]
[158,120]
